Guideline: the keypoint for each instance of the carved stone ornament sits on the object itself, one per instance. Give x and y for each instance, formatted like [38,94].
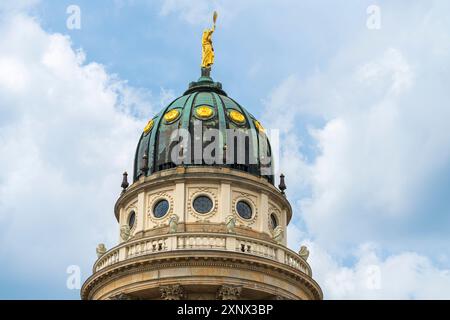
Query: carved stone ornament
[173,292]
[231,223]
[173,223]
[123,296]
[228,292]
[278,234]
[125,232]
[101,250]
[304,253]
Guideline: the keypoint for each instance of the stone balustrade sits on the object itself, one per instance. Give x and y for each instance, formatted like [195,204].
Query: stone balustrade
[109,258]
[201,241]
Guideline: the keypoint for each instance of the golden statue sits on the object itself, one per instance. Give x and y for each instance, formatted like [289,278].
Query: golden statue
[207,47]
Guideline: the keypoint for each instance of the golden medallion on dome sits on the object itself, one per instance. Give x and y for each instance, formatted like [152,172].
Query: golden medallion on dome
[259,126]
[172,115]
[237,117]
[204,112]
[149,126]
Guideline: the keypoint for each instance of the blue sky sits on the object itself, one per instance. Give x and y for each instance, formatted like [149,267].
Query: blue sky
[363,115]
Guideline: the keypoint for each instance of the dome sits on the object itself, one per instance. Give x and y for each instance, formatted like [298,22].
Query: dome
[204,127]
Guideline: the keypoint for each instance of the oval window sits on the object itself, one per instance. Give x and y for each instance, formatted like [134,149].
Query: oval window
[244,210]
[161,208]
[203,204]
[131,219]
[273,221]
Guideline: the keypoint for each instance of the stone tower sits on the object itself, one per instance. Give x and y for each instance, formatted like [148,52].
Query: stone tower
[200,222]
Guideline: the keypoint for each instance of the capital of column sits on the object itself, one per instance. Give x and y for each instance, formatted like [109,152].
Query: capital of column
[229,292]
[172,292]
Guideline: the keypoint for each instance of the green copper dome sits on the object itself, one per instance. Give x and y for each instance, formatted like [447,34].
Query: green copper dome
[204,108]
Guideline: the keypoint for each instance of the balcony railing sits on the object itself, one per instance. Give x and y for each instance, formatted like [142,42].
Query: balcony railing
[200,241]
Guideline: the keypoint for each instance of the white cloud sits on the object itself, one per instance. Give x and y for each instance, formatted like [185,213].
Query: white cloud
[377,157]
[384,135]
[14,76]
[67,133]
[406,275]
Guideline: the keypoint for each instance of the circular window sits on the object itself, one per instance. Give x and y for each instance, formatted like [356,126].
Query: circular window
[131,219]
[273,221]
[244,210]
[203,204]
[161,208]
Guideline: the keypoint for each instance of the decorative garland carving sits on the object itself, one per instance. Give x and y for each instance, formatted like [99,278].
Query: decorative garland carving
[230,223]
[278,235]
[173,223]
[100,250]
[173,292]
[304,253]
[228,292]
[125,232]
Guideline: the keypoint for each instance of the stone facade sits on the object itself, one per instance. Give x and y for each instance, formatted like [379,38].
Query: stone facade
[191,255]
[224,186]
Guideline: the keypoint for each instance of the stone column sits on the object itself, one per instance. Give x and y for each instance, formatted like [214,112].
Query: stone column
[225,199]
[179,203]
[263,212]
[172,292]
[228,292]
[141,215]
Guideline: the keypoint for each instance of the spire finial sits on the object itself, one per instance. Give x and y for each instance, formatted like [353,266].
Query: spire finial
[282,185]
[225,148]
[125,183]
[144,163]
